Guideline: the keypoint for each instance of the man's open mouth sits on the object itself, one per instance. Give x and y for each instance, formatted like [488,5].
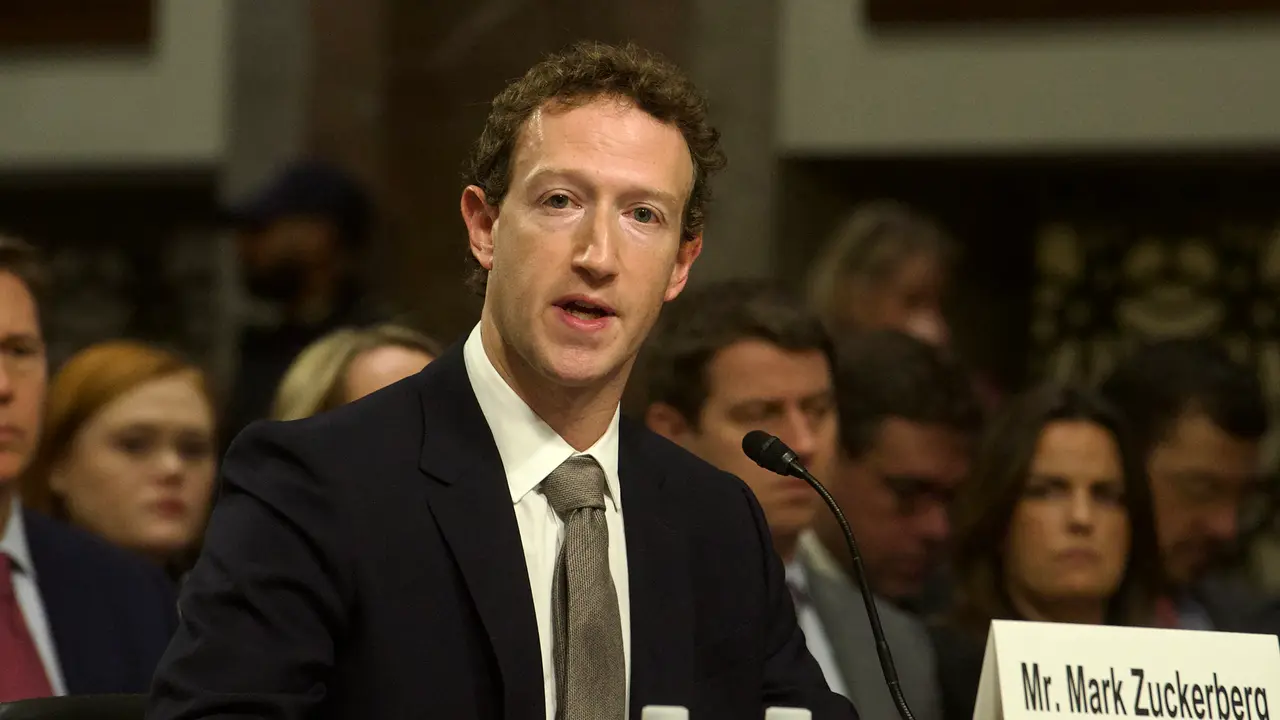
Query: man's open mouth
[585,310]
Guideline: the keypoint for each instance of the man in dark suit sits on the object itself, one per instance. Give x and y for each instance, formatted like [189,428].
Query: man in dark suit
[734,356]
[1200,418]
[77,616]
[488,539]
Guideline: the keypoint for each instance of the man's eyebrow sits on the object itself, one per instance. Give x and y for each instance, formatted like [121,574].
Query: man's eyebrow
[575,176]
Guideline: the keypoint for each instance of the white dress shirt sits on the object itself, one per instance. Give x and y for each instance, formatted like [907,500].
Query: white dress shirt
[530,450]
[27,592]
[815,635]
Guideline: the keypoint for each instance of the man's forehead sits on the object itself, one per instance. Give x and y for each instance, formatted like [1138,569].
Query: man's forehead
[1196,435]
[906,443]
[752,370]
[550,128]
[18,312]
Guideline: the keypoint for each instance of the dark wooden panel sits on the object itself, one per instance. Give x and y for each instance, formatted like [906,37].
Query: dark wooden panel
[965,11]
[62,24]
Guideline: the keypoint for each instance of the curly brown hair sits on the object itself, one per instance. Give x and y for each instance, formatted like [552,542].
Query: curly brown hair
[588,71]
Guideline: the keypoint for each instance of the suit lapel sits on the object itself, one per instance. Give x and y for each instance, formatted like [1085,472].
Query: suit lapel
[73,621]
[657,567]
[848,631]
[469,499]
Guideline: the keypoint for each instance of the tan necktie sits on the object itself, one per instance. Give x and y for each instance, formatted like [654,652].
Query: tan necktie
[591,682]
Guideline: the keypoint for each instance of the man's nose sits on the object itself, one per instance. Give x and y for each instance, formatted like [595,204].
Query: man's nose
[1224,523]
[596,253]
[6,381]
[934,523]
[799,435]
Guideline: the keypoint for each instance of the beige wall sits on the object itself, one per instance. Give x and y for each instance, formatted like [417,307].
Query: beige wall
[846,90]
[107,110]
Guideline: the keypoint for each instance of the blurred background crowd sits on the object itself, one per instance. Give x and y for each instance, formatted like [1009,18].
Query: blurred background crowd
[1010,285]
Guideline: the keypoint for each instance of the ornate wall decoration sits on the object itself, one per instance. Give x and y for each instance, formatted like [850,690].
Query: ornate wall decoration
[1102,289]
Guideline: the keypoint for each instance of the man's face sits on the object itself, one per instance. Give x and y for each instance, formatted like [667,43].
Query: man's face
[1201,478]
[897,497]
[755,385]
[23,374]
[586,246]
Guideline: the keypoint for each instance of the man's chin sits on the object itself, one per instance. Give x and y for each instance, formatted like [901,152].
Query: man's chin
[12,464]
[581,368]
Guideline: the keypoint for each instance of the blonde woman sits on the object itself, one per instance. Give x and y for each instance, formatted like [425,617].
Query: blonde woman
[348,364]
[885,267]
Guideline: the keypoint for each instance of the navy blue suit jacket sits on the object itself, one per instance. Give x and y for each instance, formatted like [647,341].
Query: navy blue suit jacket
[111,614]
[367,563]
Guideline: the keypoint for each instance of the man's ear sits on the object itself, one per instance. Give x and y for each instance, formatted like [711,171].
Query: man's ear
[480,218]
[668,422]
[688,252]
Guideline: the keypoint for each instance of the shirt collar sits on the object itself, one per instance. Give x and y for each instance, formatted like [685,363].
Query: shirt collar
[529,448]
[797,578]
[820,560]
[14,543]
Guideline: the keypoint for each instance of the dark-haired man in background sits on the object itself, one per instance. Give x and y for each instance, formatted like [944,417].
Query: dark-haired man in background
[907,419]
[737,356]
[1199,417]
[489,539]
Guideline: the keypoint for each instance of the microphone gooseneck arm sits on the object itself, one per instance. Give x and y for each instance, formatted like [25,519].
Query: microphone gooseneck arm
[772,454]
[873,613]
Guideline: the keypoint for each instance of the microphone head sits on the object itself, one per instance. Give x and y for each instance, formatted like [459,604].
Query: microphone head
[768,452]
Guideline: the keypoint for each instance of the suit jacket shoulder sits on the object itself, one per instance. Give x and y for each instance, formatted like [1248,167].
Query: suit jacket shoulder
[844,618]
[111,614]
[702,480]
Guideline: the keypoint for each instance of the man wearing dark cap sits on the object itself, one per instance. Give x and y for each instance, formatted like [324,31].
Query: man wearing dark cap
[299,239]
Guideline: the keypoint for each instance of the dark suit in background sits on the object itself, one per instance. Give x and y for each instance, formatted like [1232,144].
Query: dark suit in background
[111,614]
[839,603]
[367,563]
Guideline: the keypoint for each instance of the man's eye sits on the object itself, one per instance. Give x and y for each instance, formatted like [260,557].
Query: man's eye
[644,215]
[558,201]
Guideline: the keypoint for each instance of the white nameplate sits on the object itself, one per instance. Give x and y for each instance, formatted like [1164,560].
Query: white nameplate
[1047,671]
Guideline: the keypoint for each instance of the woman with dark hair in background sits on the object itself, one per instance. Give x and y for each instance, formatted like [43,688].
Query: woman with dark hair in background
[1054,525]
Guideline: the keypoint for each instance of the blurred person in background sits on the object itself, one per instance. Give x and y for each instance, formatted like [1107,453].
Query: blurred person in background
[128,451]
[300,241]
[1199,419]
[1054,525]
[885,267]
[907,419]
[737,356]
[889,267]
[76,614]
[348,364]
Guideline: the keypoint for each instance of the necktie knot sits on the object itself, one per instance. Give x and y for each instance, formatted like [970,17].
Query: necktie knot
[578,483]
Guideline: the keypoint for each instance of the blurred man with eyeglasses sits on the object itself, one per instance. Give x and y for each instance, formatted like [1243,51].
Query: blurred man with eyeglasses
[1200,419]
[77,616]
[907,417]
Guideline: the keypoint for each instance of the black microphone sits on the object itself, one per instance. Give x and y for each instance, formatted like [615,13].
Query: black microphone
[773,455]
